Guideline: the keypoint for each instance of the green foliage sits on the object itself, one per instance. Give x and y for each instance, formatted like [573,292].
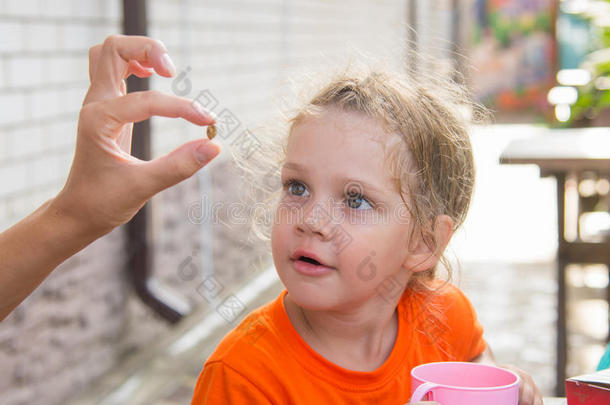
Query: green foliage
[592,99]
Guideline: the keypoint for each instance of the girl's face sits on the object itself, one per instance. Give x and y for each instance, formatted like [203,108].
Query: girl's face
[340,205]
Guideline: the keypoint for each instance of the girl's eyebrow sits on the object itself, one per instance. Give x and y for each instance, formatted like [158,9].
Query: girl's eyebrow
[346,180]
[294,166]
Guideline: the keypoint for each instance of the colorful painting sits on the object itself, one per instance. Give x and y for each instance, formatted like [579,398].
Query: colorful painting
[513,53]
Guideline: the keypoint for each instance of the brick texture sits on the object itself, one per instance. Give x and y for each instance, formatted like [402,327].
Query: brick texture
[84,318]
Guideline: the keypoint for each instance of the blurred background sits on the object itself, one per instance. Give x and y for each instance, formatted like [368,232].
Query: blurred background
[132,317]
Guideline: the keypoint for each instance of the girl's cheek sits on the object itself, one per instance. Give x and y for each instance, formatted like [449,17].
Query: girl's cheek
[289,213]
[365,218]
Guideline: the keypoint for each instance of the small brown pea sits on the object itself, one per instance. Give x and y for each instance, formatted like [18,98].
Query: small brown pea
[211,131]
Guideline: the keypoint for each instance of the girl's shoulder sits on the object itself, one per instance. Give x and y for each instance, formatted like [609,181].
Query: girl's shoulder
[446,318]
[441,307]
[437,292]
[250,338]
[244,366]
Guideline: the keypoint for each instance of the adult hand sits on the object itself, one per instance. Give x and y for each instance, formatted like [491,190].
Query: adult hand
[529,394]
[106,185]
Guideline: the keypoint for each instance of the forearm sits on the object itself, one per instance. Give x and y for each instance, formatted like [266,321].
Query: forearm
[106,186]
[32,248]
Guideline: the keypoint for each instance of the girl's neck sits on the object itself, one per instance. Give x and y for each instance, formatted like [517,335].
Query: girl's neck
[361,339]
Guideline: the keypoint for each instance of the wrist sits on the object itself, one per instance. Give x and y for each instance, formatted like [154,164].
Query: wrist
[33,247]
[74,230]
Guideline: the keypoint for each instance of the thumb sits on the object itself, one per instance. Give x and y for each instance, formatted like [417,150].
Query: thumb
[177,165]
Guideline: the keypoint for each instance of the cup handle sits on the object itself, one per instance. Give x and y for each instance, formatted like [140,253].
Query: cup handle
[421,391]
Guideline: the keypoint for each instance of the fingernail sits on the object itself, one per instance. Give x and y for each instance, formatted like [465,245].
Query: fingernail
[169,65]
[204,153]
[203,111]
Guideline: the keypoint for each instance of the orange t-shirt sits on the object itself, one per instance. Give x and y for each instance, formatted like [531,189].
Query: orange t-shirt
[265,361]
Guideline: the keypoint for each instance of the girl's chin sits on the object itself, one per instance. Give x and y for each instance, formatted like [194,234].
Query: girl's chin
[315,293]
[310,300]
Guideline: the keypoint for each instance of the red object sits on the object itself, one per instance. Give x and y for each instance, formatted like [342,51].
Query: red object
[590,389]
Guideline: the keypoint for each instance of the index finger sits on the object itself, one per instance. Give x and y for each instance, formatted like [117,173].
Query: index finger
[113,63]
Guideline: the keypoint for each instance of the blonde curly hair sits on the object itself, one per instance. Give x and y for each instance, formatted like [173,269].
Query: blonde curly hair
[433,167]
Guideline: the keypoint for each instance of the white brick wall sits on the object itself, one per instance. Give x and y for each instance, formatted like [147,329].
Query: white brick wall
[43,78]
[75,326]
[26,143]
[12,107]
[42,37]
[13,178]
[62,336]
[24,71]
[11,36]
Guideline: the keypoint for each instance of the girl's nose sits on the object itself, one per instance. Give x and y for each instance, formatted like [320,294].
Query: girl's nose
[317,219]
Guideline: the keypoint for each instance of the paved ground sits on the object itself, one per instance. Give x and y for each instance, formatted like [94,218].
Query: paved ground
[506,250]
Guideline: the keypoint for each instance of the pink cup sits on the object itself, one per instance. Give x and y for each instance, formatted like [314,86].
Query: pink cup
[459,383]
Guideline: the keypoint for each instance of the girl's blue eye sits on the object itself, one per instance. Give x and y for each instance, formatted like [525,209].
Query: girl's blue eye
[357,201]
[354,200]
[295,187]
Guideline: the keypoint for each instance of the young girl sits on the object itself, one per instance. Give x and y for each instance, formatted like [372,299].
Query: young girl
[377,173]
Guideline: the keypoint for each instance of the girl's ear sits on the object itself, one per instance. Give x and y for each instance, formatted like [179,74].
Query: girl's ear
[424,254]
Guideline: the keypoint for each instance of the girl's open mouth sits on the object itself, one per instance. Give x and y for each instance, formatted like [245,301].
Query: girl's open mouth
[309,260]
[310,267]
